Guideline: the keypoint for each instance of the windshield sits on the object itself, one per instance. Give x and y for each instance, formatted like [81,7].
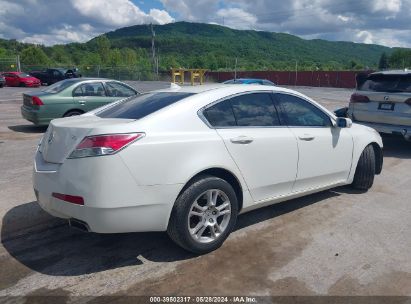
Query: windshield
[387,83]
[60,86]
[142,105]
[24,75]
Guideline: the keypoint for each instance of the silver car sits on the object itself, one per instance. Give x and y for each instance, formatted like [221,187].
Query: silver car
[382,101]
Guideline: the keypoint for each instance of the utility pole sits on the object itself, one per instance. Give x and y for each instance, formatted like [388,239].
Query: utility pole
[153,48]
[296,72]
[18,63]
[235,69]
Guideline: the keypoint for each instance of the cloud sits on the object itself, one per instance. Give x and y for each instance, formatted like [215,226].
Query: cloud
[379,21]
[57,21]
[61,21]
[237,18]
[199,10]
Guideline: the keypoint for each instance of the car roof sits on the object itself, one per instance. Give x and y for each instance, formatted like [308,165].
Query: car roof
[236,88]
[393,72]
[90,79]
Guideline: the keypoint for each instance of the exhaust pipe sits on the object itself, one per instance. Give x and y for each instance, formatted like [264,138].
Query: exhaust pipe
[80,225]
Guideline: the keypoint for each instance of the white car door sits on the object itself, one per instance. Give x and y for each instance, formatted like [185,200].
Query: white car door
[265,152]
[325,151]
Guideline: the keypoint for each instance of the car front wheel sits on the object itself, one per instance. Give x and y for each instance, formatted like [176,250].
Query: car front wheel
[365,171]
[203,215]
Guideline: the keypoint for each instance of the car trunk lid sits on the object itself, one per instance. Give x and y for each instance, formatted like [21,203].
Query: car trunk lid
[64,134]
[27,97]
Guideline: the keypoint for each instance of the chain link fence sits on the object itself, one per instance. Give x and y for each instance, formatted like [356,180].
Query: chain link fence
[111,72]
[8,64]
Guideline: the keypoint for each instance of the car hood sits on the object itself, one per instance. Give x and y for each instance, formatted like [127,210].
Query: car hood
[33,79]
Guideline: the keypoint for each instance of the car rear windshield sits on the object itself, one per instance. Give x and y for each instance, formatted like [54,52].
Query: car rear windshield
[142,105]
[60,86]
[387,83]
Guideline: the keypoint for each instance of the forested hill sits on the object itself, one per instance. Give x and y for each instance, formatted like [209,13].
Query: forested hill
[202,44]
[215,47]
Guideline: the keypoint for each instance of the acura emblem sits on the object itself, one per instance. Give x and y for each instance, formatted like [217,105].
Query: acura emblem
[51,137]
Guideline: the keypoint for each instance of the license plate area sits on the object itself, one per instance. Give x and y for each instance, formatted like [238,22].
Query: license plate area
[386,106]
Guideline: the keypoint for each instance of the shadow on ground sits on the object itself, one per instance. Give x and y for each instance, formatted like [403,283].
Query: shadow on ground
[60,251]
[397,147]
[28,129]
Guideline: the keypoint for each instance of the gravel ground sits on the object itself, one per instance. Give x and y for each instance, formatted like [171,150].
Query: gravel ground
[337,242]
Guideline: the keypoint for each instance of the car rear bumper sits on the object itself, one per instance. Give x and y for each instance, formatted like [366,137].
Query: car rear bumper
[34,116]
[404,131]
[113,202]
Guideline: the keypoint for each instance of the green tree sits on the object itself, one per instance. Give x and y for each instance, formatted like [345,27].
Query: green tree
[103,48]
[128,56]
[59,55]
[3,52]
[34,55]
[400,59]
[115,58]
[383,63]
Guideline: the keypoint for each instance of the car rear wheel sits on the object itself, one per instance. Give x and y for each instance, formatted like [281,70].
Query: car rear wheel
[22,84]
[73,113]
[365,172]
[204,215]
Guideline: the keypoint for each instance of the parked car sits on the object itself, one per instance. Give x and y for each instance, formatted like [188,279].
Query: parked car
[72,97]
[249,81]
[189,160]
[383,101]
[20,79]
[50,76]
[2,81]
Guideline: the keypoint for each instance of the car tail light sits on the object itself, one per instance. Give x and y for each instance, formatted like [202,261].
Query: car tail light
[99,145]
[359,98]
[408,102]
[35,101]
[78,200]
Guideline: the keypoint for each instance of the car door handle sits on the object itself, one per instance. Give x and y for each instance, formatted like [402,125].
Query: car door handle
[82,102]
[306,137]
[242,140]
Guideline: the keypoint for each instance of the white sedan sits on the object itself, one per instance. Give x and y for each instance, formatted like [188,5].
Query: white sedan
[189,160]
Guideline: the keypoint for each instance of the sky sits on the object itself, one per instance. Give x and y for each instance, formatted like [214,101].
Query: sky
[385,22]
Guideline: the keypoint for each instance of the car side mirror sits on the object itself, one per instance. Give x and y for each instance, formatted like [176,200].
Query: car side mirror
[343,122]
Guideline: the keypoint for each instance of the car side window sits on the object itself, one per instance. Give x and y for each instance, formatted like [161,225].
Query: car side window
[220,114]
[256,109]
[115,89]
[89,89]
[300,113]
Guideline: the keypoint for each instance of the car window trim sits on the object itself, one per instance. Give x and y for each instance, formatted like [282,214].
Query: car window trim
[106,83]
[88,82]
[201,115]
[332,120]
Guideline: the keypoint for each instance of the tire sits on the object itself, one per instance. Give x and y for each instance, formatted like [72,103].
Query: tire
[186,214]
[73,113]
[365,171]
[22,84]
